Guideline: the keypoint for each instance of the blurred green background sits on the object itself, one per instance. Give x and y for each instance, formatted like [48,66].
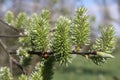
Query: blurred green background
[105,12]
[82,69]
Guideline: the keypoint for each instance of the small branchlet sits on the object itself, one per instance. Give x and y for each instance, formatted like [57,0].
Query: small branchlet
[61,43]
[9,18]
[37,30]
[20,20]
[106,42]
[104,45]
[80,28]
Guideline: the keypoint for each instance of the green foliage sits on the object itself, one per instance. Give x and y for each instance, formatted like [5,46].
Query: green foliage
[47,68]
[37,74]
[106,42]
[20,20]
[38,29]
[23,77]
[67,35]
[5,74]
[9,17]
[104,45]
[22,51]
[82,69]
[80,29]
[25,41]
[61,43]
[25,58]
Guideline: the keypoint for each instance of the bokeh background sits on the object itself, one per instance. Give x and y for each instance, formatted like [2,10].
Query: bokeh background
[104,12]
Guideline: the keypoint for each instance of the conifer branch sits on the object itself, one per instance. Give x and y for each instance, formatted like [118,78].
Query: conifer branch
[34,39]
[39,53]
[90,54]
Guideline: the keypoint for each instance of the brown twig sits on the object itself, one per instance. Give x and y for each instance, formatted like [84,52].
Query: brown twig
[11,58]
[10,26]
[12,36]
[39,53]
[5,49]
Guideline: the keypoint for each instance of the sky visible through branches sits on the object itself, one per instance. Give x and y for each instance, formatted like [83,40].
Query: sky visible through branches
[94,9]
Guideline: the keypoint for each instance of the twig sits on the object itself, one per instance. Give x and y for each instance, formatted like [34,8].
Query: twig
[19,66]
[11,65]
[10,26]
[4,46]
[12,36]
[5,49]
[39,53]
[11,58]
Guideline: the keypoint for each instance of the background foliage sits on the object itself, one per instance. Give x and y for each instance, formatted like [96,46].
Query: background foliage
[106,17]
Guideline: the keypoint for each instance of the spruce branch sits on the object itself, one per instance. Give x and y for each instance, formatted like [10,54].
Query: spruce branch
[61,43]
[104,45]
[34,40]
[106,41]
[80,29]
[38,30]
